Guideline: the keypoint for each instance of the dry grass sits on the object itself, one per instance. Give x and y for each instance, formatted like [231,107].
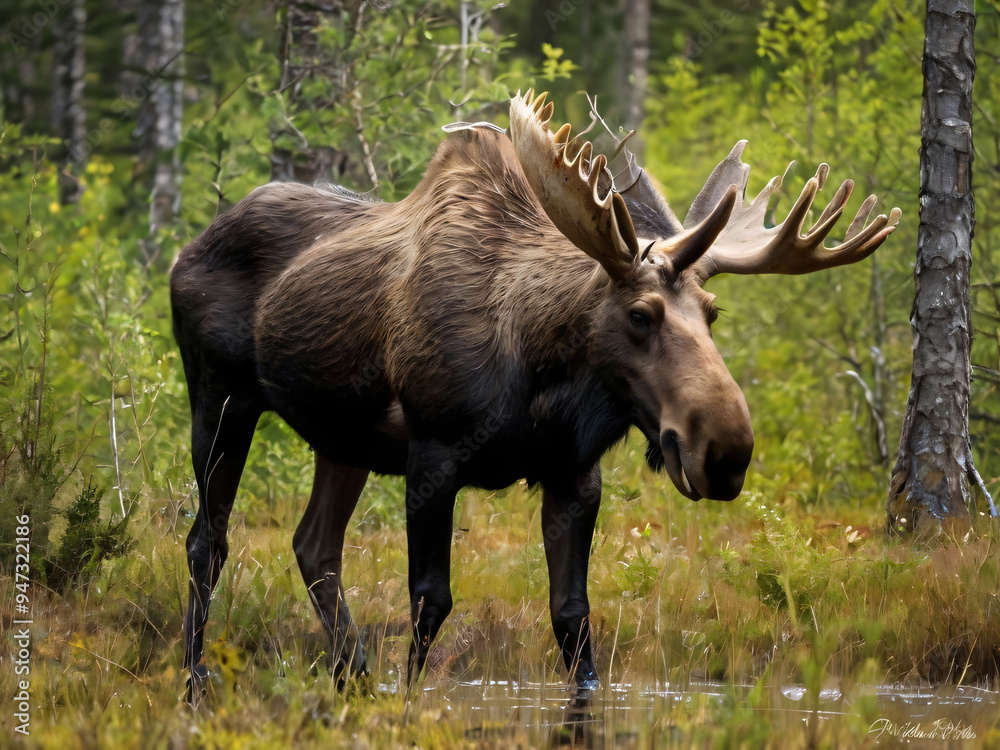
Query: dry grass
[755,595]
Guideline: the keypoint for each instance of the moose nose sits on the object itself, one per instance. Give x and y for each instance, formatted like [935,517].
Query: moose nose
[727,469]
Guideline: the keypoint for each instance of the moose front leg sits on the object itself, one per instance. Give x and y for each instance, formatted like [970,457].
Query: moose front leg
[430,503]
[569,514]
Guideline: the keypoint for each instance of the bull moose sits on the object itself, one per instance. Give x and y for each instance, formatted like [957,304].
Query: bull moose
[510,319]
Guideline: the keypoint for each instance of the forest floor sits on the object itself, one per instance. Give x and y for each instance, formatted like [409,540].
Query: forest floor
[756,623]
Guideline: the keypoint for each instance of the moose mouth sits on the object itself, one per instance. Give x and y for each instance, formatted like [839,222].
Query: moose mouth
[665,454]
[670,454]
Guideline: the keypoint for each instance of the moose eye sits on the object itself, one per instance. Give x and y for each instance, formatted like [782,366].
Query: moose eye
[638,319]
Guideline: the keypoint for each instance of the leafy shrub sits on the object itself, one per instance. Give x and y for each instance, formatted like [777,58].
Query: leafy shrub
[88,540]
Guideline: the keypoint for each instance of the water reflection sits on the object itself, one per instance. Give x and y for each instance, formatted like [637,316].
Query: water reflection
[579,727]
[624,715]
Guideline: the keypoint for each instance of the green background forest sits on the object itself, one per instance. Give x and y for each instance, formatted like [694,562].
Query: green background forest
[94,410]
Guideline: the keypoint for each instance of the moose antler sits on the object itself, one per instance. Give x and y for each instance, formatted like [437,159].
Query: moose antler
[568,180]
[746,246]
[564,175]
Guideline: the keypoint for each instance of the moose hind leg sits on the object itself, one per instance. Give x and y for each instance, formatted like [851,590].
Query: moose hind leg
[569,514]
[220,441]
[319,548]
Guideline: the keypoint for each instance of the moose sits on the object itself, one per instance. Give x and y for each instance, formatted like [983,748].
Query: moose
[512,318]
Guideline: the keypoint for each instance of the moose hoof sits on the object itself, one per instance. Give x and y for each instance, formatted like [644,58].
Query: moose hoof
[585,682]
[357,676]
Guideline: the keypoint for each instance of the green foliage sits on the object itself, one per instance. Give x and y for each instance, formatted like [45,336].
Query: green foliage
[87,542]
[986,243]
[553,66]
[84,366]
[32,465]
[383,83]
[823,359]
[638,575]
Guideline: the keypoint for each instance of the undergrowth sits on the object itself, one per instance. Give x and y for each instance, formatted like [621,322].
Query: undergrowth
[756,595]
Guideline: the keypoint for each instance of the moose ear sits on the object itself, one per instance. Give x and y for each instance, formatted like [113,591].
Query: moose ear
[686,248]
[564,175]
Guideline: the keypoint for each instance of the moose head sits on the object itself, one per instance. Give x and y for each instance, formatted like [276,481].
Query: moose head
[655,318]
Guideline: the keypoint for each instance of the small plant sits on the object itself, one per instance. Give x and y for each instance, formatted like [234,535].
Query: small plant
[553,66]
[88,541]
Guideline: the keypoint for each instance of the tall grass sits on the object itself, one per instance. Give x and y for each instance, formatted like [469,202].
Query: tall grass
[754,595]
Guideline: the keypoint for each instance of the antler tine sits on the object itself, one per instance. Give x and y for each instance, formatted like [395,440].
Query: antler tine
[631,180]
[747,247]
[565,176]
[730,171]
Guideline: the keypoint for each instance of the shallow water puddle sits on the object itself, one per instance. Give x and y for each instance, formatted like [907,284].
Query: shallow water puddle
[624,715]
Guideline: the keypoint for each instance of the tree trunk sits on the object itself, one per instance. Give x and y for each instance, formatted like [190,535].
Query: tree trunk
[934,479]
[303,57]
[153,81]
[637,60]
[69,117]
[167,100]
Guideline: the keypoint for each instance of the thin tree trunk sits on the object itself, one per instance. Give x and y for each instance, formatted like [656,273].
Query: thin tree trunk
[934,479]
[69,117]
[167,101]
[302,58]
[637,14]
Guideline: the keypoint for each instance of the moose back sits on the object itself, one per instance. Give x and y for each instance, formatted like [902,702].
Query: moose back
[512,318]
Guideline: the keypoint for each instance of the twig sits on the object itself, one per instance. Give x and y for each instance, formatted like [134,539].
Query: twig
[114,449]
[365,148]
[104,658]
[883,447]
[614,642]
[978,482]
[840,355]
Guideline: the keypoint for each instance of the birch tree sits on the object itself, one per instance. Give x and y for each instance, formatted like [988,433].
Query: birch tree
[637,16]
[69,115]
[154,60]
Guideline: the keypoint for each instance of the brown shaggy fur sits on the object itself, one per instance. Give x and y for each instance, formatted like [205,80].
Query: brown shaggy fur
[457,337]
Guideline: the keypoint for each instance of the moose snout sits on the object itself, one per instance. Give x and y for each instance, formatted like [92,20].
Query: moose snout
[726,469]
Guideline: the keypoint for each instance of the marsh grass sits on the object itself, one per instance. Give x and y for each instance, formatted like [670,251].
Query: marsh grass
[748,598]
